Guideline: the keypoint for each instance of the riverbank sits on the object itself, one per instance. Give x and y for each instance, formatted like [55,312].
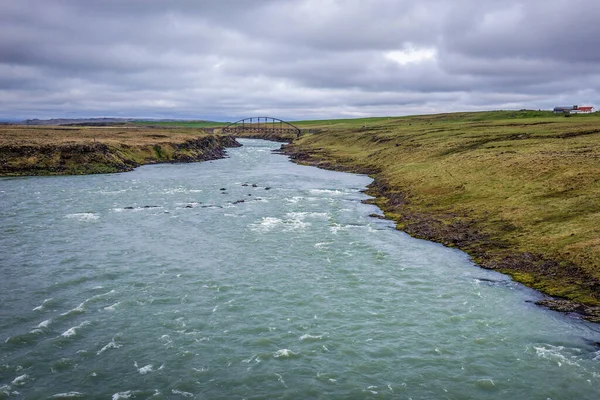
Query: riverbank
[519,192]
[58,150]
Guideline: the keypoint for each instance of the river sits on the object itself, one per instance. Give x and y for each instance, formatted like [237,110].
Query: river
[158,284]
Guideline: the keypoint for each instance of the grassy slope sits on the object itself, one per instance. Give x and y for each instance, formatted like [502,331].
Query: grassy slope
[26,150]
[518,190]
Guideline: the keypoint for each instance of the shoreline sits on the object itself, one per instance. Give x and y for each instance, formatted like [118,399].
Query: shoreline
[522,267]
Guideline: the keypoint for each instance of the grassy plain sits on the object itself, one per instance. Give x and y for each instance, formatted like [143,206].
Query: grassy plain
[60,150]
[518,190]
[179,124]
[52,135]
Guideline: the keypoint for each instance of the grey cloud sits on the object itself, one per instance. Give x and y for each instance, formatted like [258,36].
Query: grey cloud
[296,58]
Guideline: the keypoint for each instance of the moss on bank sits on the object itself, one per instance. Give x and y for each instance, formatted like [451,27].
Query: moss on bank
[521,194]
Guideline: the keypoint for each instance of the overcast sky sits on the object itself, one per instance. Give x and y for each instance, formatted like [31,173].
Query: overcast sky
[294,59]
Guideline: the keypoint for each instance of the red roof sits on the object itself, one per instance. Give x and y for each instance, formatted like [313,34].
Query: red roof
[588,108]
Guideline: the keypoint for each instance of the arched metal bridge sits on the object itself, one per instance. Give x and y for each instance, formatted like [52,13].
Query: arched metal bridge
[262,125]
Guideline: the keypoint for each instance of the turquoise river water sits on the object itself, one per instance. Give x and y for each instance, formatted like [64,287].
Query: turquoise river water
[157,284]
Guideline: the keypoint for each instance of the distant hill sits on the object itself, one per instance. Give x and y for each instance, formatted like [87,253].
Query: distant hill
[69,121]
[92,121]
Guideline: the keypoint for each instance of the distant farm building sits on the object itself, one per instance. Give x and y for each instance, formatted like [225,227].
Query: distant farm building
[574,109]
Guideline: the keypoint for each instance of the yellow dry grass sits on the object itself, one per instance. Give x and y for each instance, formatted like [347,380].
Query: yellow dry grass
[21,135]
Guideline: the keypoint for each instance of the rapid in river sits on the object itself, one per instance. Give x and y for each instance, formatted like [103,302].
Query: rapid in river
[253,277]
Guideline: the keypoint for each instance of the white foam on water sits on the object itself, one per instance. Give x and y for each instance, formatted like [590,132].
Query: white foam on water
[69,332]
[167,342]
[555,354]
[486,383]
[73,331]
[294,222]
[311,337]
[99,296]
[81,307]
[77,310]
[181,322]
[84,217]
[249,360]
[322,245]
[20,380]
[68,395]
[110,345]
[267,224]
[5,389]
[371,389]
[280,379]
[335,228]
[294,199]
[44,324]
[185,394]
[112,307]
[327,191]
[145,369]
[41,306]
[284,353]
[114,191]
[303,215]
[296,225]
[175,190]
[314,199]
[125,395]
